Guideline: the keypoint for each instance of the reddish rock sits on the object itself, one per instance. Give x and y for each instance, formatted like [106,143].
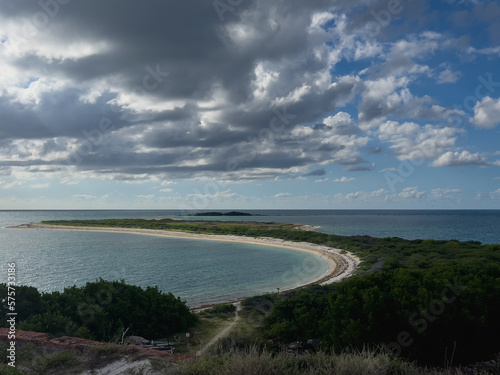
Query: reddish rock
[75,343]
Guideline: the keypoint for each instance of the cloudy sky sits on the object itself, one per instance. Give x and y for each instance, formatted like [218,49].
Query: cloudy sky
[198,104]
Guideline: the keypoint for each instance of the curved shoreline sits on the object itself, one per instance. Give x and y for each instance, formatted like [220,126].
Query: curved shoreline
[341,264]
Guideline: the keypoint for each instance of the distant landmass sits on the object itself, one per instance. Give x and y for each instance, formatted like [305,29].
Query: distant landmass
[215,213]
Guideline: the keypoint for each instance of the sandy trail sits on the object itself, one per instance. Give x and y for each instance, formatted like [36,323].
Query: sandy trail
[222,333]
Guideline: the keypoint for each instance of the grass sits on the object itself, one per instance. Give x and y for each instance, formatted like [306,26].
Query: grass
[251,359]
[32,360]
[57,361]
[254,361]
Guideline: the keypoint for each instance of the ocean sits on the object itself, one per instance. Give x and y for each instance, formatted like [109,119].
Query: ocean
[203,272]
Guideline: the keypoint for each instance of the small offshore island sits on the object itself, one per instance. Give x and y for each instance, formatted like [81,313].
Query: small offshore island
[434,303]
[217,213]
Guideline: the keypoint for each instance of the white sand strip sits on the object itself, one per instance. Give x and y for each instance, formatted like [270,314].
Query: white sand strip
[341,264]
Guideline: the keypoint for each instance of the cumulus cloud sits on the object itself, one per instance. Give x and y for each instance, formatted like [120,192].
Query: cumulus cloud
[487,113]
[409,193]
[440,193]
[459,159]
[283,195]
[448,76]
[411,141]
[344,179]
[40,186]
[84,197]
[12,185]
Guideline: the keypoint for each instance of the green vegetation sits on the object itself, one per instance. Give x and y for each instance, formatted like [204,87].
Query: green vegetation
[203,227]
[216,213]
[428,316]
[251,360]
[101,310]
[225,308]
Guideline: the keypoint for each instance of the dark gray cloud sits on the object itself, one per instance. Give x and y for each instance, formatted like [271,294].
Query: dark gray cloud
[317,172]
[168,88]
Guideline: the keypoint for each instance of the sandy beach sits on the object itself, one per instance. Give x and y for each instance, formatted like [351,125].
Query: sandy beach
[341,264]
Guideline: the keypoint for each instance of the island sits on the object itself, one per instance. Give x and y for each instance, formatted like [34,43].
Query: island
[216,213]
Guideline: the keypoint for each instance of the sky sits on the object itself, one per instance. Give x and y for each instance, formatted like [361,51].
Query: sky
[203,104]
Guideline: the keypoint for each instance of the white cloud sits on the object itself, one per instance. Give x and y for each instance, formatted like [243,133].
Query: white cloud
[168,183]
[392,169]
[414,142]
[363,195]
[485,51]
[202,199]
[459,159]
[448,76]
[382,196]
[283,195]
[84,197]
[167,190]
[439,193]
[409,193]
[146,197]
[12,185]
[344,179]
[40,186]
[322,180]
[487,113]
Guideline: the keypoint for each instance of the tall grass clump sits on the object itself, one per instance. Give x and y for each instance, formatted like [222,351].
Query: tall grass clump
[253,360]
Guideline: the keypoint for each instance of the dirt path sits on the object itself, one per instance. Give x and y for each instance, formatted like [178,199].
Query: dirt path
[223,332]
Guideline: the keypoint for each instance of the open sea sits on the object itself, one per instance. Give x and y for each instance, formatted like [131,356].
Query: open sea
[202,272]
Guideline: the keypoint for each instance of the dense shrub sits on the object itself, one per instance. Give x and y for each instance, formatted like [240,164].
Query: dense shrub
[101,310]
[423,315]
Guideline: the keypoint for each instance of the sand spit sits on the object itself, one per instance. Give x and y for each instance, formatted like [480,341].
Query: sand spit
[341,264]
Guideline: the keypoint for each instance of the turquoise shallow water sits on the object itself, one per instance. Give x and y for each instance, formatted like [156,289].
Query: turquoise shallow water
[198,271]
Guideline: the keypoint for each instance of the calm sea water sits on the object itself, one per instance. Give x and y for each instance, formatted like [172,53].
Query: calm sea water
[207,271]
